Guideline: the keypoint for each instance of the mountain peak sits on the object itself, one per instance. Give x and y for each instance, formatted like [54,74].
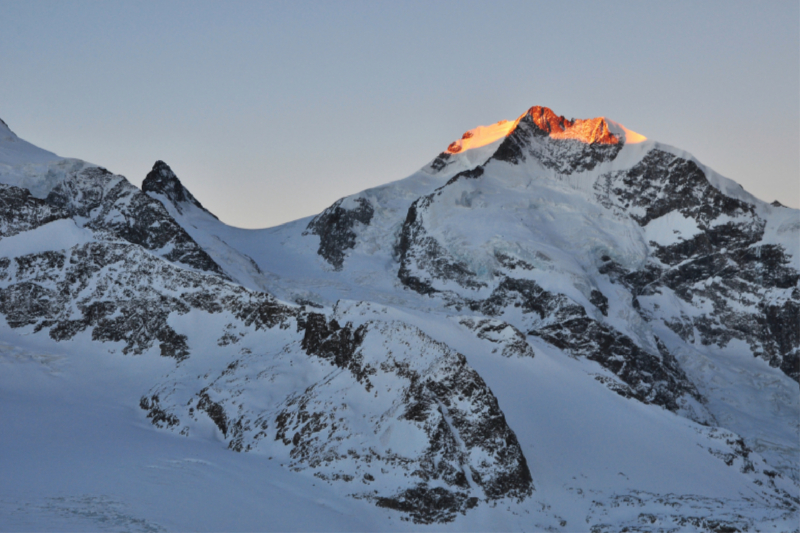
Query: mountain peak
[599,130]
[162,180]
[546,120]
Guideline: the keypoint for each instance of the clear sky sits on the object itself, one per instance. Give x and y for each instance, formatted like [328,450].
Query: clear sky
[270,111]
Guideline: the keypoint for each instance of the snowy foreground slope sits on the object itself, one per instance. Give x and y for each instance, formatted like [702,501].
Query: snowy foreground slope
[555,325]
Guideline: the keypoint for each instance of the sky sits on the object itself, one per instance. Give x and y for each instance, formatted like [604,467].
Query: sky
[271,111]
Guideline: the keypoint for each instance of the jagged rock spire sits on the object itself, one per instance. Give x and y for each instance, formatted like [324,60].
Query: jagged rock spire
[162,180]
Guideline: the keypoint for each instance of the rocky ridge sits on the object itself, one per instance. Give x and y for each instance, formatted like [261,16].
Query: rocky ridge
[724,262]
[162,180]
[97,199]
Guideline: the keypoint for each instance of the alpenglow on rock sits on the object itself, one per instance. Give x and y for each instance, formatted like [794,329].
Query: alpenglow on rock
[556,324]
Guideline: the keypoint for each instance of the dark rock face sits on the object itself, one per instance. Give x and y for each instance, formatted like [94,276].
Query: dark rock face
[528,296]
[441,162]
[429,505]
[420,254]
[162,180]
[24,304]
[782,327]
[531,138]
[753,290]
[471,174]
[662,183]
[19,211]
[599,300]
[214,411]
[104,201]
[337,344]
[156,414]
[334,226]
[448,401]
[651,378]
[512,340]
[648,377]
[455,431]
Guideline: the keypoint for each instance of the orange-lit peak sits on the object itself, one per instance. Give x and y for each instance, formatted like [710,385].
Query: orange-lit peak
[548,121]
[481,136]
[593,130]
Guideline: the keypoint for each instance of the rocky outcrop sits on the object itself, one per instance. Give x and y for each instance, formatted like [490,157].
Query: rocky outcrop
[121,294]
[646,376]
[335,228]
[663,183]
[589,131]
[19,211]
[161,180]
[559,144]
[754,290]
[440,162]
[508,338]
[422,258]
[103,201]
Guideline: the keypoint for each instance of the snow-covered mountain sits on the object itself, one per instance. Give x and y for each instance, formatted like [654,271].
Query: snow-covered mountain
[554,325]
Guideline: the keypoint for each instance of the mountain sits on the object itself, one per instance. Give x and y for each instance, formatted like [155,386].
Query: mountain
[554,325]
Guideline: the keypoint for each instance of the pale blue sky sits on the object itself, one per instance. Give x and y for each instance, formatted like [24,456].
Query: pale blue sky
[270,111]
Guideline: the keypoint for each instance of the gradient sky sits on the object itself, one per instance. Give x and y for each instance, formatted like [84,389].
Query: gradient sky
[270,111]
